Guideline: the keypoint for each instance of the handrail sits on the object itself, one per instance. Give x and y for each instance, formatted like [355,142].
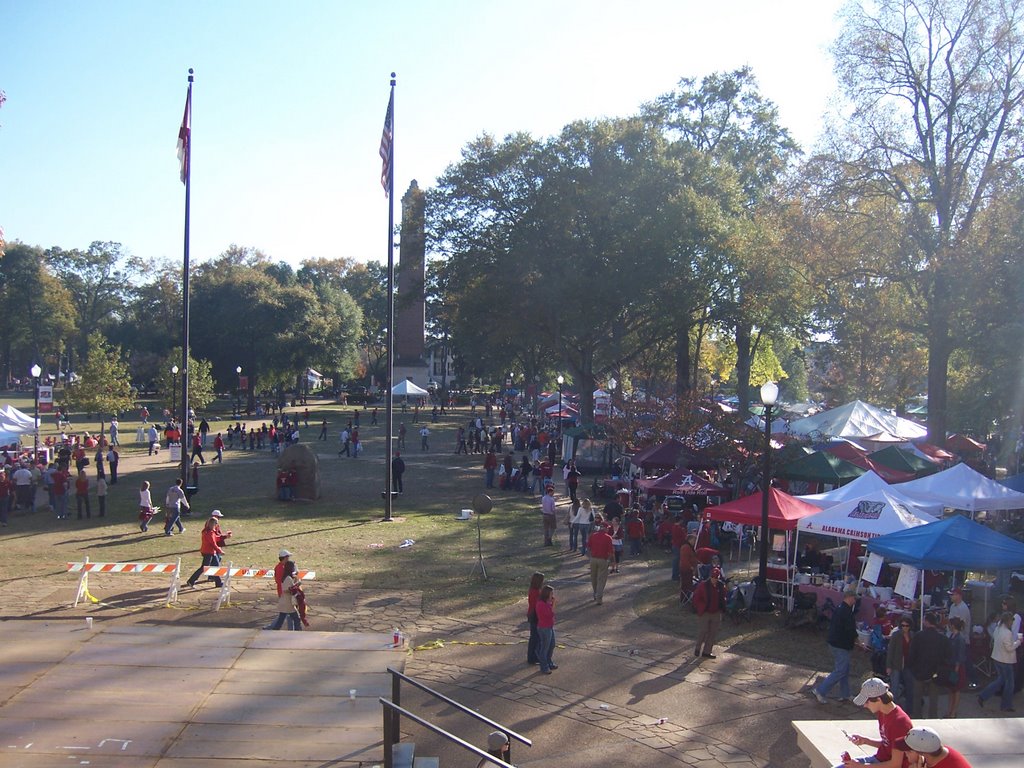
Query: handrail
[504,729]
[389,744]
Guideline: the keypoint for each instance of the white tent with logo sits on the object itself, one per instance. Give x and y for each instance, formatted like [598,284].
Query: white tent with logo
[867,517]
[865,485]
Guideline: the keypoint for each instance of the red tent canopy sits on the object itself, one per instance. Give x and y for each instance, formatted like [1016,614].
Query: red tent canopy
[783,510]
[681,482]
[964,444]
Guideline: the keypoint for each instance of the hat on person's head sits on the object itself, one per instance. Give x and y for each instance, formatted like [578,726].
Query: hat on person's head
[284,553]
[716,573]
[216,513]
[921,739]
[496,740]
[850,591]
[872,688]
[957,591]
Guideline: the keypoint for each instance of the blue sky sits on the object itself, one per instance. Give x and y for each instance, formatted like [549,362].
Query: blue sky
[289,103]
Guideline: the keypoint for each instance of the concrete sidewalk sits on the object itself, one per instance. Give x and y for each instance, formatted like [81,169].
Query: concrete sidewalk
[625,693]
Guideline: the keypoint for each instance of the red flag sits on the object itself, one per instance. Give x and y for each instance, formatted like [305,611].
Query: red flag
[386,145]
[185,138]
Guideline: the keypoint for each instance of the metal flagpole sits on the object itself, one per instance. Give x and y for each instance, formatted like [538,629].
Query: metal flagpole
[387,150]
[186,136]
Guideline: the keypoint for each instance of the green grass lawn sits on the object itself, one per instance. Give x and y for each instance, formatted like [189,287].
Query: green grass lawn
[342,536]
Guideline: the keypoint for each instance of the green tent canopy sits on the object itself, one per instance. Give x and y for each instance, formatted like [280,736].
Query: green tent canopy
[819,467]
[897,458]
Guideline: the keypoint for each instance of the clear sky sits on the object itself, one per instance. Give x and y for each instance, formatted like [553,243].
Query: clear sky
[289,102]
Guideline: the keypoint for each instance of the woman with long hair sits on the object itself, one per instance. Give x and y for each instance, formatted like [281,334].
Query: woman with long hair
[536,582]
[1004,655]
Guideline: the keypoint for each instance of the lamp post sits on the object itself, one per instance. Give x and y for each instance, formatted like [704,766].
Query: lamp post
[561,381]
[35,370]
[762,599]
[174,392]
[238,392]
[612,384]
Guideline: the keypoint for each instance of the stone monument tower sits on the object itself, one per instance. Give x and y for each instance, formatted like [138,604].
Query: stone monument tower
[410,300]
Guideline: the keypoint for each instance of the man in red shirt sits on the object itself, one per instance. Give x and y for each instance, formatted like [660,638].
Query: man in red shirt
[602,552]
[924,743]
[60,493]
[893,726]
[709,603]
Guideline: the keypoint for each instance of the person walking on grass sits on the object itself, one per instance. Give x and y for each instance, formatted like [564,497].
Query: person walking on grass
[842,636]
[547,514]
[1004,655]
[174,500]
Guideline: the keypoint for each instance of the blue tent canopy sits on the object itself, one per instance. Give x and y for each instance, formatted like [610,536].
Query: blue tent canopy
[955,543]
[1015,483]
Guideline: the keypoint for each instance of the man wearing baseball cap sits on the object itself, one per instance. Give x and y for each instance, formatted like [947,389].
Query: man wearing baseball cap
[924,743]
[842,636]
[893,726]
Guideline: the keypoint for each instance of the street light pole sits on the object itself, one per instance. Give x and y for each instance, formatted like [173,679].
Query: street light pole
[174,391]
[762,599]
[35,370]
[238,392]
[561,381]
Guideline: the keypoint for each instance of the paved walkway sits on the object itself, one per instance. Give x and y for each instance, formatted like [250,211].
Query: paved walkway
[624,692]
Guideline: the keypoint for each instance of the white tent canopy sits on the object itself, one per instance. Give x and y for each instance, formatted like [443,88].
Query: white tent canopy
[859,421]
[13,420]
[407,388]
[867,484]
[961,487]
[874,514]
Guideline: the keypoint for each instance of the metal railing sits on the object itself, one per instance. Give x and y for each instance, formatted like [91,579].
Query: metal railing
[393,712]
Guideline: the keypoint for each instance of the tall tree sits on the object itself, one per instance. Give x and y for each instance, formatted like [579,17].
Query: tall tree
[726,118]
[102,385]
[936,93]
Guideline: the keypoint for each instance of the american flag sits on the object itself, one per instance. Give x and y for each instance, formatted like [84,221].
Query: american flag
[185,138]
[386,145]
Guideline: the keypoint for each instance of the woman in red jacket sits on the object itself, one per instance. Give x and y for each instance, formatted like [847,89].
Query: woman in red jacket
[211,547]
[546,628]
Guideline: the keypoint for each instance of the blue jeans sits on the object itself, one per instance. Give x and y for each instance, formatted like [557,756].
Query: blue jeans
[293,621]
[1002,684]
[545,647]
[901,685]
[574,536]
[840,673]
[584,536]
[490,478]
[534,642]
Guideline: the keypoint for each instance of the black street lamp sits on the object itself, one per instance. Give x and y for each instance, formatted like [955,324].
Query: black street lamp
[35,370]
[238,392]
[561,381]
[174,392]
[762,599]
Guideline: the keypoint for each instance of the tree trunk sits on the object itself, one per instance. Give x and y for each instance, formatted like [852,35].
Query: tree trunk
[939,348]
[743,354]
[683,382]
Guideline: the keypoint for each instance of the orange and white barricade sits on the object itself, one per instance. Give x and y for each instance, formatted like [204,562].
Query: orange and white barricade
[85,568]
[228,572]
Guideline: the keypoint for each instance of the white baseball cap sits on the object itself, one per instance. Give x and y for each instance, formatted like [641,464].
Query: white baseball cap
[284,553]
[216,513]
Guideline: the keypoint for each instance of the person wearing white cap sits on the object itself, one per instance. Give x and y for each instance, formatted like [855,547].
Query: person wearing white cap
[923,744]
[282,557]
[893,725]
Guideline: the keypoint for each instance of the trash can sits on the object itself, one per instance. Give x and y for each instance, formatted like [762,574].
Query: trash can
[190,491]
[175,451]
